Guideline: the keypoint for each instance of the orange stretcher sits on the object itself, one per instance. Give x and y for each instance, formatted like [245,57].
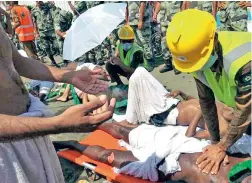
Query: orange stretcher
[105,140]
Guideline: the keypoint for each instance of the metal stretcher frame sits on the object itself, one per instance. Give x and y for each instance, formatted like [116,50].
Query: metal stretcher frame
[105,140]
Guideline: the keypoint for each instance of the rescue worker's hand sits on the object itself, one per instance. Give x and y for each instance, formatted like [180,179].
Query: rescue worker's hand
[212,157]
[244,4]
[174,94]
[140,25]
[81,115]
[87,81]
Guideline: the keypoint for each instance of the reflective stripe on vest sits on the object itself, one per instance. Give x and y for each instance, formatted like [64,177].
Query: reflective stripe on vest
[237,52]
[234,54]
[25,31]
[129,56]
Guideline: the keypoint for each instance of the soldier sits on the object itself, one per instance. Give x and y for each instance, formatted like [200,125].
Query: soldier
[44,30]
[138,16]
[237,16]
[62,23]
[14,37]
[23,26]
[222,13]
[209,6]
[167,10]
[54,9]
[156,32]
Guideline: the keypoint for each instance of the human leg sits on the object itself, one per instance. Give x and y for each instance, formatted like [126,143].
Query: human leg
[30,49]
[166,54]
[64,97]
[114,71]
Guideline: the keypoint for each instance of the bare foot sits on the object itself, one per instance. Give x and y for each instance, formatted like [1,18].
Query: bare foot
[62,99]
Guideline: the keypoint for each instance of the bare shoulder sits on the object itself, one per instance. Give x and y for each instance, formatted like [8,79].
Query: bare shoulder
[5,46]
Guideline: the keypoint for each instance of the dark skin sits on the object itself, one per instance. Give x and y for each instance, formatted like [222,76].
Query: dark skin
[117,158]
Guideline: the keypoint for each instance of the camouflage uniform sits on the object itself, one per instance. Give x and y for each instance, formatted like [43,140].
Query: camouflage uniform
[236,17]
[167,11]
[102,52]
[44,20]
[80,7]
[222,13]
[202,5]
[62,22]
[143,36]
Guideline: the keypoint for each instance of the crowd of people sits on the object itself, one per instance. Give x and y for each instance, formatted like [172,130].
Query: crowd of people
[218,57]
[52,23]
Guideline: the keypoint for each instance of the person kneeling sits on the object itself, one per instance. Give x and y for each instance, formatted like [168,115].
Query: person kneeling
[130,56]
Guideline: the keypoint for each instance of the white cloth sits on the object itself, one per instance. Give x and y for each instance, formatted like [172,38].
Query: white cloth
[150,145]
[32,160]
[146,97]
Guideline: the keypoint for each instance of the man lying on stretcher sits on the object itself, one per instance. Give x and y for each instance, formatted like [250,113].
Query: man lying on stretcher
[142,137]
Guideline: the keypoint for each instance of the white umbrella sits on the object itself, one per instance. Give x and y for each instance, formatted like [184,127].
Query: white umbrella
[91,28]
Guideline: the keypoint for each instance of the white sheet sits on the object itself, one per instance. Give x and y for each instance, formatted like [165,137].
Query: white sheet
[146,97]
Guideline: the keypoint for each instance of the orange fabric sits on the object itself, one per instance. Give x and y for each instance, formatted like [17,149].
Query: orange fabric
[26,30]
[105,140]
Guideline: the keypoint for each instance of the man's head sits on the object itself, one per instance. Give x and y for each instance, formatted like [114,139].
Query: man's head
[126,36]
[39,3]
[191,38]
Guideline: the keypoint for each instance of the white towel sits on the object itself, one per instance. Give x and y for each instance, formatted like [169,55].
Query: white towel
[152,144]
[33,160]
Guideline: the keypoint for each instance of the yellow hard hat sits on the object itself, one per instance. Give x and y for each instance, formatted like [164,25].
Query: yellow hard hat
[126,33]
[190,39]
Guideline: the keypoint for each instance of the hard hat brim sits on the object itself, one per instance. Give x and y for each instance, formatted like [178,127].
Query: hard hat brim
[193,65]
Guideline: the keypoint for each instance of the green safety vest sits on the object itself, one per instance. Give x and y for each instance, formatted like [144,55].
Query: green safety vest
[236,47]
[129,56]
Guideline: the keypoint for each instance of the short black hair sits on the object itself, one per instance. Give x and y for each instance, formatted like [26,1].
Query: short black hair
[15,2]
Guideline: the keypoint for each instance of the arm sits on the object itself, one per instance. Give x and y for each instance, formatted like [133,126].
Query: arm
[175,93]
[194,123]
[209,110]
[141,14]
[16,22]
[35,70]
[214,8]
[74,119]
[156,10]
[127,15]
[59,33]
[184,5]
[242,112]
[72,7]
